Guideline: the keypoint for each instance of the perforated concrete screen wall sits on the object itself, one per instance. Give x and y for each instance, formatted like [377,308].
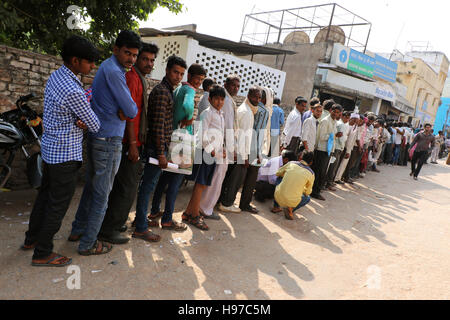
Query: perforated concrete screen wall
[218,64]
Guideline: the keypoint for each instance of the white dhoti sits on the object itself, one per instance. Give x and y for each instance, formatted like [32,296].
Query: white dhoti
[435,153]
[211,194]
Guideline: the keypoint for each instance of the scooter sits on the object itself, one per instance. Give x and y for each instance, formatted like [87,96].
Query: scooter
[21,128]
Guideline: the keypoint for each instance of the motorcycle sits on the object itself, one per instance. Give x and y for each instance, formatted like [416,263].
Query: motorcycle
[21,128]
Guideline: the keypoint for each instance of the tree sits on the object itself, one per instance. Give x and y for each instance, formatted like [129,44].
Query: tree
[43,25]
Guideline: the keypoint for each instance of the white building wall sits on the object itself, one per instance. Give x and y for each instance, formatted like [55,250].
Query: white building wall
[218,64]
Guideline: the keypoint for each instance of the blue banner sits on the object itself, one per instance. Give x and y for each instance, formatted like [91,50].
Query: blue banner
[385,69]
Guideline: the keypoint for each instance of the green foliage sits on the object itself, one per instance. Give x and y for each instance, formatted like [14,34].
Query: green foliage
[41,25]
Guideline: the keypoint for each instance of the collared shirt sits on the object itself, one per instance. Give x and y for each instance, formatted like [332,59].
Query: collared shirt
[203,103]
[160,116]
[424,142]
[298,180]
[268,173]
[65,102]
[309,132]
[344,128]
[351,140]
[261,118]
[306,115]
[111,94]
[293,126]
[183,105]
[398,136]
[134,83]
[244,132]
[326,127]
[277,120]
[213,128]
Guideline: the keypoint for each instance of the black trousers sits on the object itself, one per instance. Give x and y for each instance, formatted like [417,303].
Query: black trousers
[333,168]
[58,186]
[320,165]
[122,195]
[351,162]
[264,190]
[419,158]
[232,183]
[251,174]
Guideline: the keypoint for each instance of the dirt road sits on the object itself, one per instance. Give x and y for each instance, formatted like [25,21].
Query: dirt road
[387,237]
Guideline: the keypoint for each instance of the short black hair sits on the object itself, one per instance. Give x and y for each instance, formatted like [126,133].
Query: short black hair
[79,47]
[427,125]
[276,101]
[216,91]
[129,39]
[197,70]
[289,155]
[347,114]
[300,99]
[328,104]
[336,106]
[372,118]
[253,90]
[174,60]
[308,157]
[314,101]
[150,48]
[208,82]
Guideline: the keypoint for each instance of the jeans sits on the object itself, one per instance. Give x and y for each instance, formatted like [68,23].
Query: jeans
[58,186]
[103,160]
[396,156]
[147,185]
[122,194]
[173,182]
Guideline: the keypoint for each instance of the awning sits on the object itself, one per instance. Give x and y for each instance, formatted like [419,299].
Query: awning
[237,48]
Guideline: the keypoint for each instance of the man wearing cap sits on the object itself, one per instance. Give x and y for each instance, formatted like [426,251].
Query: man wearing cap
[293,129]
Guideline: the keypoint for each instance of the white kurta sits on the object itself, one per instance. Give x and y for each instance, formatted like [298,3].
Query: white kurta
[349,145]
[293,127]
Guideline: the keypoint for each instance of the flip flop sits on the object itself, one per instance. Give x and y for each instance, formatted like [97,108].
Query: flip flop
[175,226]
[25,247]
[98,249]
[53,261]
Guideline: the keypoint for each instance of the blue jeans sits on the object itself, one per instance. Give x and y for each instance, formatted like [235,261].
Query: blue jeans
[103,160]
[146,187]
[396,154]
[173,182]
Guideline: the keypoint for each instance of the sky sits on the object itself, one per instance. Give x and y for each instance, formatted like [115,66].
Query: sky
[394,22]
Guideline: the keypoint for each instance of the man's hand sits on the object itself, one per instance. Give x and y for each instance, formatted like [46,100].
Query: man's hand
[162,162]
[133,153]
[80,124]
[121,115]
[224,154]
[347,156]
[339,135]
[259,160]
[213,153]
[184,123]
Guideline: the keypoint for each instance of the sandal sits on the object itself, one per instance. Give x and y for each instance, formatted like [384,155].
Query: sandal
[99,248]
[147,236]
[276,210]
[156,216]
[175,226]
[54,260]
[152,224]
[198,222]
[185,217]
[74,238]
[26,247]
[289,214]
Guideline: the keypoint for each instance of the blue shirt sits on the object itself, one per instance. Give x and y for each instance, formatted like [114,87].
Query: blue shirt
[306,115]
[65,102]
[110,94]
[277,120]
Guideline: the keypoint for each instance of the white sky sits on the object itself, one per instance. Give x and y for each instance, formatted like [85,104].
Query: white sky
[394,21]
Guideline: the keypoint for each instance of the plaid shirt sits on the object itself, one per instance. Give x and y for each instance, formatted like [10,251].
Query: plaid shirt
[65,102]
[160,116]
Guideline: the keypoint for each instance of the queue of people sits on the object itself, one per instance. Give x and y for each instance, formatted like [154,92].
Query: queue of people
[236,146]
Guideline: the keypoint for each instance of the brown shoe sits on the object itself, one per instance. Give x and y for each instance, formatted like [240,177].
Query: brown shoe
[147,236]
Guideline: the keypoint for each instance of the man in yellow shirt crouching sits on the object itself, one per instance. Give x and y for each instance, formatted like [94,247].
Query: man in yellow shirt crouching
[294,185]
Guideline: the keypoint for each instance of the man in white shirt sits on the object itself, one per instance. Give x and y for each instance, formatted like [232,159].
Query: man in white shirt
[349,146]
[212,194]
[325,130]
[293,130]
[339,146]
[398,143]
[243,131]
[309,129]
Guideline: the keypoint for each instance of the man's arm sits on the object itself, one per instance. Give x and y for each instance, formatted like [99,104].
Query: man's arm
[121,93]
[130,135]
[78,104]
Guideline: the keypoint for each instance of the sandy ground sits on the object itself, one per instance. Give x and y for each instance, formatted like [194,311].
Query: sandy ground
[385,238]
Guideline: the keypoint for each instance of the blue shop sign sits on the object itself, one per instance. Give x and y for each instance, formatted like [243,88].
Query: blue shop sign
[385,69]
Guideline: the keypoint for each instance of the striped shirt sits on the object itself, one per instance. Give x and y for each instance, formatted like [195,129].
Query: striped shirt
[65,102]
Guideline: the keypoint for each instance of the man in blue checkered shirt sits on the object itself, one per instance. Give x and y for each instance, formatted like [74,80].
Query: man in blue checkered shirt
[113,104]
[66,113]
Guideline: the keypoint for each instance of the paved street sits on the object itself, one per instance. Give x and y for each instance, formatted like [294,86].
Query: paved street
[387,237]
